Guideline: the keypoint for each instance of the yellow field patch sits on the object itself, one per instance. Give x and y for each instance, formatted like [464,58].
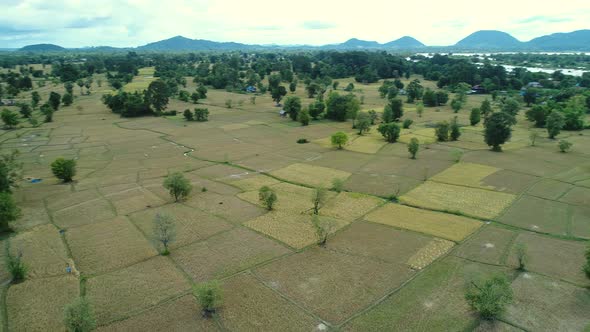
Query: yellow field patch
[290,198]
[253,182]
[254,122]
[296,230]
[470,201]
[316,176]
[350,206]
[466,174]
[429,253]
[366,144]
[234,126]
[443,225]
[424,136]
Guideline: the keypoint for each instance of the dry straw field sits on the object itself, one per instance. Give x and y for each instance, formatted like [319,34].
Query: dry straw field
[406,236]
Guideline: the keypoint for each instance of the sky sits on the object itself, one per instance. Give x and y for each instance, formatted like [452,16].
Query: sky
[129,23]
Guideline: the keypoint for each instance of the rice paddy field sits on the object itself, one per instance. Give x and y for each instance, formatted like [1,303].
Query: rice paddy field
[406,237]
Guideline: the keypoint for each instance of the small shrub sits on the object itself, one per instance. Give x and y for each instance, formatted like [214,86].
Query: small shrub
[304,117]
[455,130]
[267,197]
[413,147]
[491,298]
[407,123]
[586,267]
[339,139]
[456,154]
[338,185]
[188,115]
[533,137]
[475,116]
[64,169]
[178,186]
[201,114]
[564,146]
[302,141]
[204,189]
[390,131]
[16,267]
[9,212]
[323,228]
[209,296]
[318,199]
[79,316]
[521,256]
[229,103]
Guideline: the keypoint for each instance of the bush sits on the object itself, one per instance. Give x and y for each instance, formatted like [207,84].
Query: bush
[318,198]
[491,298]
[188,115]
[455,130]
[521,256]
[209,296]
[9,118]
[323,228]
[456,154]
[169,113]
[339,139]
[390,131]
[586,267]
[178,186]
[79,316]
[413,147]
[302,141]
[338,185]
[565,146]
[533,137]
[267,197]
[229,103]
[303,117]
[164,231]
[555,122]
[441,131]
[64,169]
[16,267]
[407,123]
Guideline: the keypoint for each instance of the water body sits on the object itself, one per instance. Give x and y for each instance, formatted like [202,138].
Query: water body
[482,56]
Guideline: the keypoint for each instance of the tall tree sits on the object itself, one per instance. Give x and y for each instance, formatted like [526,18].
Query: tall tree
[498,129]
[157,95]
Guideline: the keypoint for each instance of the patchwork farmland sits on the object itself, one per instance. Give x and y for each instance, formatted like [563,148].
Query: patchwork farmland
[407,235]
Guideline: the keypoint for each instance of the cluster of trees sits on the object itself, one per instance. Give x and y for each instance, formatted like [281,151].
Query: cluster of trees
[199,115]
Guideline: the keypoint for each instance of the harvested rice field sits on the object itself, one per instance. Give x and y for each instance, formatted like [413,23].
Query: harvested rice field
[405,237]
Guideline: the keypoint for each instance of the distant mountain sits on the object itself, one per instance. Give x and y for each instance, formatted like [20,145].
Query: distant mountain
[180,43]
[42,48]
[405,42]
[357,43]
[490,40]
[572,41]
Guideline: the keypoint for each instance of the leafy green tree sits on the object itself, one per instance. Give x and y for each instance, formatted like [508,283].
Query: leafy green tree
[10,171]
[530,96]
[564,145]
[362,122]
[195,97]
[490,298]
[390,131]
[456,105]
[274,81]
[511,106]
[80,83]
[486,108]
[202,91]
[9,212]
[48,111]
[339,139]
[35,99]
[373,116]
[188,115]
[429,98]
[178,186]
[278,93]
[522,256]
[267,196]
[9,118]
[413,147]
[397,110]
[201,114]
[461,90]
[538,115]
[407,123]
[442,97]
[555,122]
[157,95]
[441,131]
[79,316]
[54,100]
[292,106]
[586,267]
[64,169]
[414,91]
[318,199]
[209,296]
[342,107]
[316,109]
[455,130]
[323,227]
[338,185]
[164,231]
[16,266]
[184,96]
[304,117]
[25,110]
[498,129]
[293,86]
[67,99]
[69,87]
[312,89]
[475,116]
[419,109]
[349,87]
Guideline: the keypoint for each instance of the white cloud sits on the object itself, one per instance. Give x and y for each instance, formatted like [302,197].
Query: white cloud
[74,23]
